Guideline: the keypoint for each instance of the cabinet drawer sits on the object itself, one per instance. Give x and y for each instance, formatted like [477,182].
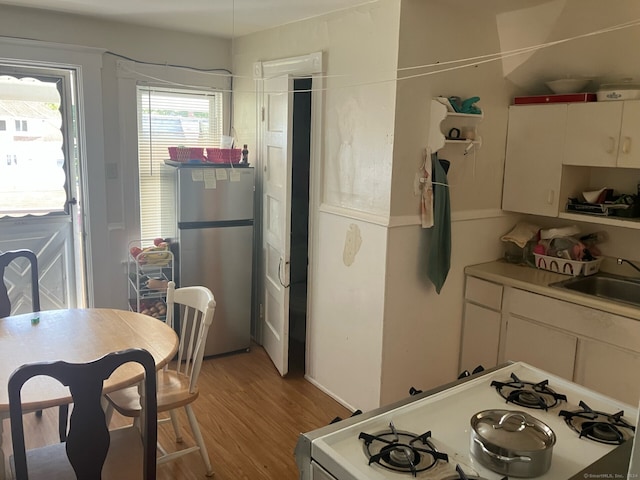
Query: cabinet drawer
[484,293]
[577,319]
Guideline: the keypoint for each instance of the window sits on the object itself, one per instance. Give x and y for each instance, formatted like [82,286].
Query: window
[33,180]
[168,118]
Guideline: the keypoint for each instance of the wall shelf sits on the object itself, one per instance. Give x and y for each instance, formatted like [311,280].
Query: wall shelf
[443,121]
[633,223]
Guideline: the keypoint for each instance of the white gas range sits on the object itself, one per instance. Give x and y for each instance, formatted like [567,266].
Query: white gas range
[347,450]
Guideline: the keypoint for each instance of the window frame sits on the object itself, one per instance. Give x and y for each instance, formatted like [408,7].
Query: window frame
[156,190]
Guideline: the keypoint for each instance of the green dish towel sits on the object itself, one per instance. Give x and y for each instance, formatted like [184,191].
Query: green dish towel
[439,257]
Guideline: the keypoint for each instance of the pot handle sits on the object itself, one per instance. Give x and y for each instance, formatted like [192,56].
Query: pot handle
[523,421]
[501,458]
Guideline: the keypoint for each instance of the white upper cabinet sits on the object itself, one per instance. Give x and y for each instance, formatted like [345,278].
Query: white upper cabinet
[533,166]
[629,150]
[603,134]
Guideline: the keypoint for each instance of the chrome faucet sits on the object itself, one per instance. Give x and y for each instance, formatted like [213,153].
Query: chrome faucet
[624,260]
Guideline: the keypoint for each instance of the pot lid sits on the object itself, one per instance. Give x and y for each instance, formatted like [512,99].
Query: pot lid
[513,430]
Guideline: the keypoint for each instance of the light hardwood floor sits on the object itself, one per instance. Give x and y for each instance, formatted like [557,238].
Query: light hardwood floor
[250,418]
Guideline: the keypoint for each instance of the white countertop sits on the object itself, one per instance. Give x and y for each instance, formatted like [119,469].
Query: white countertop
[537,281]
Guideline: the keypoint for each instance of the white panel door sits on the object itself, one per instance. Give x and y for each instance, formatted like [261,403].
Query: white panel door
[39,186]
[278,116]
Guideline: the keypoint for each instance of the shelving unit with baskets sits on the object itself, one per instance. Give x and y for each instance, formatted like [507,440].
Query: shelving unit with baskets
[150,268]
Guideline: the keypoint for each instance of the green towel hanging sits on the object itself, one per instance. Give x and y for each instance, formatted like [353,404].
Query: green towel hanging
[439,257]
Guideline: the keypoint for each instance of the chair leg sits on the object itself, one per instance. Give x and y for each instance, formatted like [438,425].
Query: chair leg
[108,411]
[176,425]
[195,428]
[63,416]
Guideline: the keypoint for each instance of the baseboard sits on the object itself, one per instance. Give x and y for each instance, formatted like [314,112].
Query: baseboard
[351,408]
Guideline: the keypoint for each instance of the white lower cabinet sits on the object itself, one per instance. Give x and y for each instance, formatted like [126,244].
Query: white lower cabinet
[480,338]
[538,345]
[608,369]
[481,324]
[594,348]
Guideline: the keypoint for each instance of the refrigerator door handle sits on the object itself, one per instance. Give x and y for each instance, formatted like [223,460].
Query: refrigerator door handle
[286,265]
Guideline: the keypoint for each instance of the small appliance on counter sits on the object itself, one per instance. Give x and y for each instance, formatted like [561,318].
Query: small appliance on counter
[514,420]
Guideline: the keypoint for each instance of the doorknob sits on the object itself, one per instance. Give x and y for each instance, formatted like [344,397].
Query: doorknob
[72,201]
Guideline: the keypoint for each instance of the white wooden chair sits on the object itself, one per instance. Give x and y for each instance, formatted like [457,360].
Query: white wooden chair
[177,385]
[91,451]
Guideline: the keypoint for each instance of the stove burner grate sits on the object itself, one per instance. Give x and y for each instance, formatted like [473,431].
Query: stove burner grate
[601,427]
[528,394]
[401,451]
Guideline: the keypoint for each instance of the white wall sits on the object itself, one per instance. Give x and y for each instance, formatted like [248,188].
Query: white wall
[420,328]
[113,202]
[360,50]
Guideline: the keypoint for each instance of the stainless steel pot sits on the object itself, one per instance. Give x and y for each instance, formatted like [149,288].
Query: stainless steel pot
[512,442]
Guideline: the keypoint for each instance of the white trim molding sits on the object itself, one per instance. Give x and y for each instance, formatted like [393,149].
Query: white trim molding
[302,65]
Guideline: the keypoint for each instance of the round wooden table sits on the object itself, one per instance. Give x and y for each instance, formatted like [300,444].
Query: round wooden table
[77,336]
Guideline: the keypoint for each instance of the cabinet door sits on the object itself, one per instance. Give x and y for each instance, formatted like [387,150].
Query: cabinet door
[629,151]
[593,131]
[480,337]
[540,346]
[609,370]
[533,164]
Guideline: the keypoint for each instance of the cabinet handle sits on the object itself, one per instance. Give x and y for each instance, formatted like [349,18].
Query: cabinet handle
[550,196]
[612,145]
[626,145]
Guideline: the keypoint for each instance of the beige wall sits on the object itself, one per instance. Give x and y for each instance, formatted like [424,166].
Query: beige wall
[360,54]
[419,327]
[441,31]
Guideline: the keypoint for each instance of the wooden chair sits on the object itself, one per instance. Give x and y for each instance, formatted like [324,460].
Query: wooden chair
[91,451]
[5,310]
[177,386]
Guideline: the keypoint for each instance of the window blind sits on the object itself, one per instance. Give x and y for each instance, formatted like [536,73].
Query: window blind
[170,118]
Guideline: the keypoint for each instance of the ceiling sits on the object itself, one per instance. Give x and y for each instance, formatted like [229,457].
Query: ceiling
[223,18]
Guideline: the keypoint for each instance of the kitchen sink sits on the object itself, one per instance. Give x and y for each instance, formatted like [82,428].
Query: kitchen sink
[604,285]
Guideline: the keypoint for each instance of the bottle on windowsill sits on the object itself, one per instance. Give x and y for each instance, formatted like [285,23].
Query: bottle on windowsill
[245,155]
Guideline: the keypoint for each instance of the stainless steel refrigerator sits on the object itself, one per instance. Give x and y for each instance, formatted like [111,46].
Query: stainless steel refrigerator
[215,206]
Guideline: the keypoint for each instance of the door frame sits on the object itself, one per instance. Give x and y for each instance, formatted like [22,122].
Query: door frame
[87,63]
[310,66]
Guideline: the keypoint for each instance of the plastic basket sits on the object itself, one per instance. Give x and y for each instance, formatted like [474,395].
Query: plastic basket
[224,155]
[567,267]
[184,154]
